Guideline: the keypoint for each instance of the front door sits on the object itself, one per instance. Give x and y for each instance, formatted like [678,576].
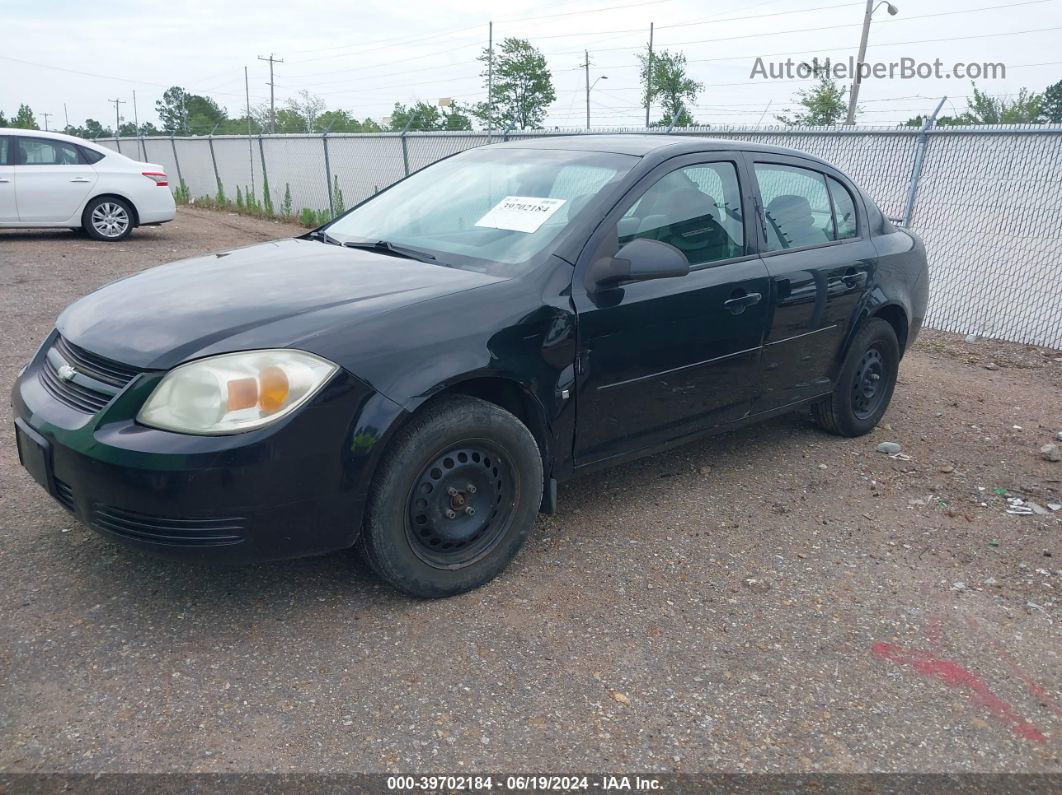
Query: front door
[8,211]
[52,179]
[665,358]
[820,261]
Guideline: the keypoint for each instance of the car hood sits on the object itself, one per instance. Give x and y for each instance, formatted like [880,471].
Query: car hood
[273,294]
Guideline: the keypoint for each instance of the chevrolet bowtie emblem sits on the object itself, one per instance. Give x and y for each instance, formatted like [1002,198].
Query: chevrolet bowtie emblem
[67,373]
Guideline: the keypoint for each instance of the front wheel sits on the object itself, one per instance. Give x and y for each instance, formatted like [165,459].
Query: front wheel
[107,218]
[865,384]
[454,498]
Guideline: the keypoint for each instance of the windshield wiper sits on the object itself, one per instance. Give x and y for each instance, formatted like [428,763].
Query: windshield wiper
[323,236]
[387,247]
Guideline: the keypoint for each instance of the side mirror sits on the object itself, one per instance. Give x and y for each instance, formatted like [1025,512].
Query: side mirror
[638,261]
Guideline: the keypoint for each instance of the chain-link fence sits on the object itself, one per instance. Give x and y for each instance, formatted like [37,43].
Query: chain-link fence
[987,200]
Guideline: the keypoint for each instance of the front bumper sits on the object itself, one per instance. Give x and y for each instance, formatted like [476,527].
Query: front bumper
[293,489]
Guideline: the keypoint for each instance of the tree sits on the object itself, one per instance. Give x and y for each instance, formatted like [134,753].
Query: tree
[522,86]
[985,109]
[664,78]
[1051,105]
[423,116]
[822,105]
[306,110]
[182,113]
[3,119]
[24,119]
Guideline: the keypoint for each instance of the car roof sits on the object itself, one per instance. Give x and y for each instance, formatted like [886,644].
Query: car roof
[58,136]
[644,144]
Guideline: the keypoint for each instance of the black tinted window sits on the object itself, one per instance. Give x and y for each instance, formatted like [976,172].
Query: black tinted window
[89,155]
[46,152]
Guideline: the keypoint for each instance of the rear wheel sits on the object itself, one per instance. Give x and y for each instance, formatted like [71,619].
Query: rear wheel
[865,384]
[108,218]
[454,498]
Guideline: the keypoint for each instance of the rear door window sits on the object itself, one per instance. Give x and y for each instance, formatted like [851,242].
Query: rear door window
[47,152]
[796,206]
[844,210]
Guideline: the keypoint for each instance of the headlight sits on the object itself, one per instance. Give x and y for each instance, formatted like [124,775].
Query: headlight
[234,392]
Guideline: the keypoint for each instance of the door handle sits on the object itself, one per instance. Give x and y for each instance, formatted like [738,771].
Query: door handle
[4,180]
[737,304]
[81,179]
[854,279]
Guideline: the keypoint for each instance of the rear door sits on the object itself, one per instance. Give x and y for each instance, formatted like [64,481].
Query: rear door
[8,211]
[666,358]
[820,259]
[52,179]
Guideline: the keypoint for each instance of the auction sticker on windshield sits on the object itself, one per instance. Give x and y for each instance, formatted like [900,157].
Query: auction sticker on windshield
[520,213]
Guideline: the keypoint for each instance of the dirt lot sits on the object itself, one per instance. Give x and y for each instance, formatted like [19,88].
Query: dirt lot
[774,599]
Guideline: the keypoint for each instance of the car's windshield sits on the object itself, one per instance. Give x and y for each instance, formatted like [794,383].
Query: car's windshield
[493,210]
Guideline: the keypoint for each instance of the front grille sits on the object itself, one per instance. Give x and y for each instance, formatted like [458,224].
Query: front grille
[165,530]
[96,381]
[64,494]
[105,370]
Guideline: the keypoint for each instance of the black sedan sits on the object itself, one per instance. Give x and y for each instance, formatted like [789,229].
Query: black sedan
[415,377]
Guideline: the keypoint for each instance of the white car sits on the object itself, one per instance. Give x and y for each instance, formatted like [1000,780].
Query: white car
[53,180]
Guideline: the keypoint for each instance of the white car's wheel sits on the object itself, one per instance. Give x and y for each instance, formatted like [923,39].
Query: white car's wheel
[108,218]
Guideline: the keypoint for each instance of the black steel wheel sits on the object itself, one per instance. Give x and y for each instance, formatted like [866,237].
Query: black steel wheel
[453,499]
[461,505]
[865,383]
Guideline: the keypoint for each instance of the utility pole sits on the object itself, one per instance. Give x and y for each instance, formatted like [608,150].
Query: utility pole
[490,78]
[853,95]
[66,115]
[272,102]
[649,76]
[117,117]
[46,117]
[136,119]
[250,146]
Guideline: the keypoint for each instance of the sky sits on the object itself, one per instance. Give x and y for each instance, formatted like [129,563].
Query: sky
[365,56]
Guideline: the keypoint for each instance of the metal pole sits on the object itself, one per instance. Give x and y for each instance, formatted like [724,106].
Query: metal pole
[490,80]
[250,143]
[405,148]
[66,115]
[176,161]
[46,115]
[853,96]
[586,65]
[265,175]
[213,159]
[649,77]
[328,174]
[916,170]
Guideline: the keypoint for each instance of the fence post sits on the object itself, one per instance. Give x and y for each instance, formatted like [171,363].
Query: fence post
[265,174]
[143,148]
[405,148]
[118,142]
[176,161]
[214,160]
[916,169]
[328,174]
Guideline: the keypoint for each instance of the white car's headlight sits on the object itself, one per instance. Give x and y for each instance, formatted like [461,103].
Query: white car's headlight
[234,392]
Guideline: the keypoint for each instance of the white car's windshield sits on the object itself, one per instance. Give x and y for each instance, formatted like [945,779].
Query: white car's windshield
[486,209]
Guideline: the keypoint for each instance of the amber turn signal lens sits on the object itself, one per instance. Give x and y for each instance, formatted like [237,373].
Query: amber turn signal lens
[274,388]
[243,394]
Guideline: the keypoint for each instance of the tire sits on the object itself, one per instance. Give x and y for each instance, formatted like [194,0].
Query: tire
[418,535]
[865,384]
[108,218]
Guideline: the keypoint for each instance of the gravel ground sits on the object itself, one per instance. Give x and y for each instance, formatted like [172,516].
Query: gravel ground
[775,599]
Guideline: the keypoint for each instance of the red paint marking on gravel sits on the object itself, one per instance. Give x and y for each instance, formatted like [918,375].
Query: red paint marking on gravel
[954,675]
[1031,684]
